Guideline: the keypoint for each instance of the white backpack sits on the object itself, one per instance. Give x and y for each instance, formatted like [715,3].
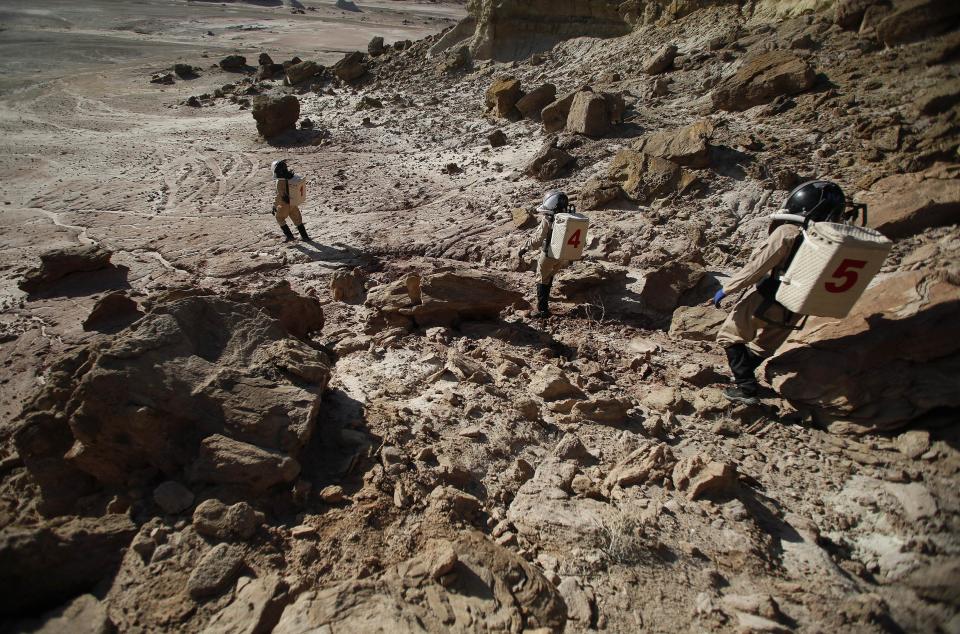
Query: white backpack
[297,188]
[832,267]
[569,236]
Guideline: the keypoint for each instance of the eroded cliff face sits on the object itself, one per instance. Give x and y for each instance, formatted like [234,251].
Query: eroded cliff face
[506,30]
[514,29]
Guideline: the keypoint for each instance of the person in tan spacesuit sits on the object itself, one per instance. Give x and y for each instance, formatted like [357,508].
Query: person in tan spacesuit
[554,202]
[758,324]
[282,209]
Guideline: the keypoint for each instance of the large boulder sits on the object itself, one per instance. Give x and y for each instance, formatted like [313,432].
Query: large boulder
[212,518]
[761,78]
[915,20]
[546,511]
[112,312]
[502,97]
[376,47]
[591,280]
[275,115]
[299,73]
[589,115]
[351,68]
[269,71]
[40,567]
[348,286]
[201,381]
[644,178]
[696,323]
[663,287]
[299,314]
[688,146]
[58,263]
[456,60]
[894,358]
[532,103]
[549,163]
[902,205]
[554,114]
[442,299]
[598,192]
[215,571]
[651,462]
[233,63]
[661,61]
[594,113]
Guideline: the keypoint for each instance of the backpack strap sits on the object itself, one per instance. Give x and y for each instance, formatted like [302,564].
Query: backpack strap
[769,286]
[545,247]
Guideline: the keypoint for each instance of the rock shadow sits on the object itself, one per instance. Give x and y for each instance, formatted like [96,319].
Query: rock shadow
[468,583]
[516,333]
[298,138]
[626,130]
[340,254]
[339,452]
[729,162]
[85,283]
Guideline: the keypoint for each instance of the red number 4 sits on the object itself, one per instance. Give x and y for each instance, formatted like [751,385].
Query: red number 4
[845,273]
[574,240]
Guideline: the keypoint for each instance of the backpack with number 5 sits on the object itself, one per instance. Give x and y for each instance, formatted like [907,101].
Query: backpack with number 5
[833,266]
[569,236]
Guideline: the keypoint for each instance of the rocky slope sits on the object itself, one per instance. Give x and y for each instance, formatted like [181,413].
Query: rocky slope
[208,430]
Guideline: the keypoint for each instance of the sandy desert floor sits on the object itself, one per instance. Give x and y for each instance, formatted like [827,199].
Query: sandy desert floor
[93,152]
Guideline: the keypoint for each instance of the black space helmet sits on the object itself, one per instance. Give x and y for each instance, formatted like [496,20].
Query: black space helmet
[280,169]
[554,201]
[816,201]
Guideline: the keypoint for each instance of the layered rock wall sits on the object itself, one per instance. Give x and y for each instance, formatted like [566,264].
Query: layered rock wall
[511,30]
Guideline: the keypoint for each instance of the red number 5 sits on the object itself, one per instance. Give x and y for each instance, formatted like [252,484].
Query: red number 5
[574,240]
[844,272]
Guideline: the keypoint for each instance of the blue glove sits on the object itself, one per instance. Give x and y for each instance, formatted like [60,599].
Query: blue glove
[718,297]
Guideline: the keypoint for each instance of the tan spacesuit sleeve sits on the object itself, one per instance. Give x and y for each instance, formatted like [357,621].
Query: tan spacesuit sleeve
[765,259]
[540,234]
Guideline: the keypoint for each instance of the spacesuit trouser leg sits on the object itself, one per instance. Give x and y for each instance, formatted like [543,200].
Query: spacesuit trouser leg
[546,269]
[748,340]
[295,216]
[287,211]
[743,365]
[280,212]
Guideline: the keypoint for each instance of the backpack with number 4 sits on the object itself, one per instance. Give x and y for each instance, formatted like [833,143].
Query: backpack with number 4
[298,191]
[569,236]
[833,266]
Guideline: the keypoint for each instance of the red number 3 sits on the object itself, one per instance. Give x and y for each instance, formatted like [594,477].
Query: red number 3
[574,240]
[845,273]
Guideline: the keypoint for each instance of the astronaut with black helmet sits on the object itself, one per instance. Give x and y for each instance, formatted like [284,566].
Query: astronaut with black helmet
[554,202]
[282,206]
[758,324]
